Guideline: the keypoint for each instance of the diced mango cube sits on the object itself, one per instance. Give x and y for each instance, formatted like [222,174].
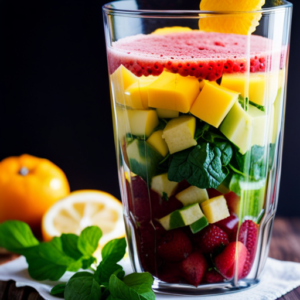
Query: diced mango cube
[174,92]
[142,122]
[192,195]
[179,133]
[161,184]
[167,113]
[213,104]
[215,209]
[136,95]
[259,87]
[120,80]
[158,143]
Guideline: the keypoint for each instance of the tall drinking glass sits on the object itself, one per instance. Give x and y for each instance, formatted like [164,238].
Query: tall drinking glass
[198,121]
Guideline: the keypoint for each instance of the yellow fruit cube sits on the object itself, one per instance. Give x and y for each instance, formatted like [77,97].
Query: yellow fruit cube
[213,104]
[192,195]
[136,95]
[174,92]
[179,133]
[120,80]
[257,87]
[158,143]
[215,209]
[161,184]
[142,122]
[174,29]
[167,114]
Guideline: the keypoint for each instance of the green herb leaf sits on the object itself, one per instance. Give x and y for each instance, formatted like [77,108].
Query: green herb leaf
[83,286]
[200,130]
[165,196]
[58,290]
[16,236]
[201,166]
[114,250]
[133,287]
[105,269]
[69,244]
[86,263]
[48,261]
[89,240]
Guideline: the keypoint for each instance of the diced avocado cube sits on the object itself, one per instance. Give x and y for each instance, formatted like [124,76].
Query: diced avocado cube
[215,209]
[158,143]
[173,92]
[213,104]
[182,217]
[142,122]
[179,133]
[161,184]
[192,195]
[199,225]
[262,88]
[167,113]
[136,95]
[143,159]
[120,80]
[238,128]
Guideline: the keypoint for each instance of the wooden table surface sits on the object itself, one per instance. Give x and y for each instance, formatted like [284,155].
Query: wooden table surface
[285,245]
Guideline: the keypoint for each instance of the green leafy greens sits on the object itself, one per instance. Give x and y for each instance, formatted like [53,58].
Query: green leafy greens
[71,253]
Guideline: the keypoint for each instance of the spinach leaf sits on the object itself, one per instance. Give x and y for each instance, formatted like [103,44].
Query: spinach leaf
[201,166]
[201,130]
[16,236]
[82,286]
[88,240]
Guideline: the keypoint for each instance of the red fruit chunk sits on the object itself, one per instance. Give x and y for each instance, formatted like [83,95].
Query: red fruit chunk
[233,202]
[211,238]
[212,276]
[170,272]
[226,261]
[247,267]
[212,193]
[248,236]
[174,246]
[194,53]
[193,268]
[230,226]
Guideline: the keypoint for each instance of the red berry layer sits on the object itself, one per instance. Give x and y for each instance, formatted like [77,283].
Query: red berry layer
[205,55]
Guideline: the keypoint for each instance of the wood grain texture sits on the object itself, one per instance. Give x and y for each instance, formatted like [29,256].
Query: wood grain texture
[285,245]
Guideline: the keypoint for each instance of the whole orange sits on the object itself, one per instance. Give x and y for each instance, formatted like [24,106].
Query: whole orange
[29,186]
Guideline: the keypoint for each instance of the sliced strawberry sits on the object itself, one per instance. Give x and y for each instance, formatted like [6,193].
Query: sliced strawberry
[226,261]
[212,276]
[211,238]
[248,236]
[174,246]
[170,272]
[193,268]
[247,267]
[230,226]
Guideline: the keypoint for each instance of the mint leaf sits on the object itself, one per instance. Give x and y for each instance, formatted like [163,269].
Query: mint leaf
[16,236]
[69,244]
[48,261]
[88,240]
[82,286]
[86,263]
[105,269]
[114,250]
[58,290]
[134,287]
[201,166]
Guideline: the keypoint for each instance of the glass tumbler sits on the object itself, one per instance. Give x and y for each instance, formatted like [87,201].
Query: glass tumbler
[198,119]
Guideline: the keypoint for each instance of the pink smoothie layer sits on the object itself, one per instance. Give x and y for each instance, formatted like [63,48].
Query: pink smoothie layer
[206,55]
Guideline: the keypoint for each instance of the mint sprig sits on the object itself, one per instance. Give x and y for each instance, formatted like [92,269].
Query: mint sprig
[69,252]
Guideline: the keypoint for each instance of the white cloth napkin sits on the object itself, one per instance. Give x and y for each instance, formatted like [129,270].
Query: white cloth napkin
[278,279]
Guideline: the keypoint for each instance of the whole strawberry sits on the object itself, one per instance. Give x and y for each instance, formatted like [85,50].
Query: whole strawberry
[193,268]
[248,236]
[226,261]
[212,276]
[211,238]
[174,246]
[170,272]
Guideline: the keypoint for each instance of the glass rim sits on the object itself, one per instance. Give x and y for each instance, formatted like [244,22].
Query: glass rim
[148,13]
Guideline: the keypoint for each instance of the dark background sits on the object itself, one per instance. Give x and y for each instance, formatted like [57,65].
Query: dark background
[55,97]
